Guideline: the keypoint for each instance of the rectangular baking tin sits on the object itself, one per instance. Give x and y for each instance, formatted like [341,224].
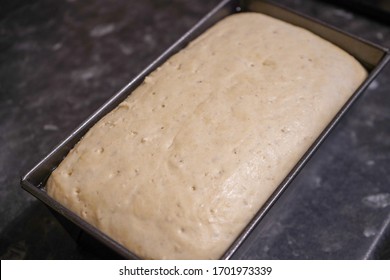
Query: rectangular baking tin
[371,56]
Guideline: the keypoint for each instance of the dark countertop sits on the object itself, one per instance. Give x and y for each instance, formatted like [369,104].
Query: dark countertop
[60,60]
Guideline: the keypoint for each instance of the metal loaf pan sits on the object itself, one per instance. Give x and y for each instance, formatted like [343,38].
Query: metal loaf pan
[371,56]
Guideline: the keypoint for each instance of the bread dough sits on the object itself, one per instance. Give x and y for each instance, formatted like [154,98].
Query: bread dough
[180,167]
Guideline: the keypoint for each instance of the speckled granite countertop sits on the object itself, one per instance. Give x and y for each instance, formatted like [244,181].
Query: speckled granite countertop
[60,60]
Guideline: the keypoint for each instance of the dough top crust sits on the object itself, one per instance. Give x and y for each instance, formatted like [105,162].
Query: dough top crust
[180,167]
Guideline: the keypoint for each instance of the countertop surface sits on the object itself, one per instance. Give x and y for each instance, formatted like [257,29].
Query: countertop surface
[60,60]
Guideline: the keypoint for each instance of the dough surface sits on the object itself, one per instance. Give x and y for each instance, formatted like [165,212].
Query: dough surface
[180,167]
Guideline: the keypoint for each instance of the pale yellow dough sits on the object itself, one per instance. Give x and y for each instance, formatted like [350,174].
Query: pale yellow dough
[179,168]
